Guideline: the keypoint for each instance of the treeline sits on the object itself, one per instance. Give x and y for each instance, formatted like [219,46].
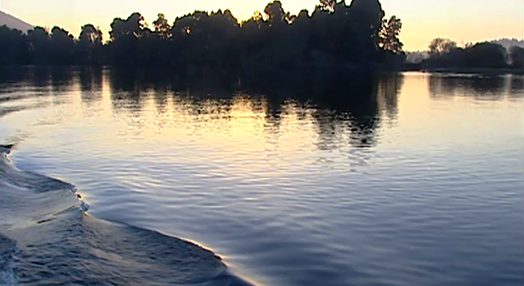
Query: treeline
[334,35]
[446,54]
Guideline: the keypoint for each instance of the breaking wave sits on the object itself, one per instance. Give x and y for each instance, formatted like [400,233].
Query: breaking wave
[47,238]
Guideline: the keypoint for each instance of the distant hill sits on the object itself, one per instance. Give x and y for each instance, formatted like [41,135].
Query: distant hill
[508,43]
[14,23]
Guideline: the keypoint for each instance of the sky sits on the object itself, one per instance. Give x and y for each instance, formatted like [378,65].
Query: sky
[460,20]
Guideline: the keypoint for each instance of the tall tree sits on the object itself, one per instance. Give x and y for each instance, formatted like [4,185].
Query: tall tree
[327,5]
[389,35]
[516,54]
[485,55]
[14,47]
[365,17]
[90,49]
[39,45]
[125,35]
[275,13]
[90,34]
[133,25]
[440,45]
[62,46]
[162,26]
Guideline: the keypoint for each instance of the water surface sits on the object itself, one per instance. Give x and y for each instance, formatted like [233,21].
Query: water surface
[397,179]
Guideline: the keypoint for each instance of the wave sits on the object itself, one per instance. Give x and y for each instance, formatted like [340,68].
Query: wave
[46,238]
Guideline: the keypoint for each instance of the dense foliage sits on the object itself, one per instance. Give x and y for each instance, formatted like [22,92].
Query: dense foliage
[333,35]
[445,53]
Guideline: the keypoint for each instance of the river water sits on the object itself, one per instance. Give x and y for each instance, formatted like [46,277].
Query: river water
[390,179]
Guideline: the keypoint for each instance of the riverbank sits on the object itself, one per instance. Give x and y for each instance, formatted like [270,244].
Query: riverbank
[466,70]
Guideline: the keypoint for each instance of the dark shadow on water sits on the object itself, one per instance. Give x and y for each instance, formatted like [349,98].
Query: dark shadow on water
[474,86]
[62,78]
[338,103]
[13,74]
[347,108]
[40,76]
[91,84]
[516,86]
[347,104]
[127,92]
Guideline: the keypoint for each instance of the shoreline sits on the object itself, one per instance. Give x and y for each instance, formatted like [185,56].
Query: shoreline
[490,71]
[468,71]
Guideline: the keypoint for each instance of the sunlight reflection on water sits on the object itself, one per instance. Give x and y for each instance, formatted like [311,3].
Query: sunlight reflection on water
[382,180]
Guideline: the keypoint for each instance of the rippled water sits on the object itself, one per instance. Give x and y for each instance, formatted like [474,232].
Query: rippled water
[407,179]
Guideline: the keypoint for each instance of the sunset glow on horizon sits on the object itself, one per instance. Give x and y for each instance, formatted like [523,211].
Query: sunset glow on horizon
[464,21]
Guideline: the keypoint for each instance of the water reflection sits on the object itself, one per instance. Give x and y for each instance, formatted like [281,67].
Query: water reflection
[389,88]
[40,76]
[91,82]
[341,108]
[474,86]
[516,86]
[258,169]
[13,75]
[126,92]
[344,110]
[21,84]
[62,78]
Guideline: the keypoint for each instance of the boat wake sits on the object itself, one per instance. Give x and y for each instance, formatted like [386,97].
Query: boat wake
[47,238]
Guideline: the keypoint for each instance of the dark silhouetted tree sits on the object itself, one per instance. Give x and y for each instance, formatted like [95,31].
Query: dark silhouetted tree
[485,55]
[123,48]
[39,45]
[90,34]
[62,47]
[365,17]
[335,35]
[89,46]
[275,14]
[389,35]
[516,55]
[162,26]
[327,5]
[133,25]
[14,48]
[441,45]
[445,54]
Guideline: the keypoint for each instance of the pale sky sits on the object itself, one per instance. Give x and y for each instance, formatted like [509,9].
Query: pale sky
[460,20]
